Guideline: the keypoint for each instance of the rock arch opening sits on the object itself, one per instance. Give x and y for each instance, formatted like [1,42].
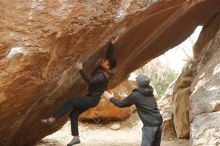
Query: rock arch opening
[173,105]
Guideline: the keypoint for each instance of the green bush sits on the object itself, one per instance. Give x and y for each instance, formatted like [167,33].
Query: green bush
[161,82]
[161,75]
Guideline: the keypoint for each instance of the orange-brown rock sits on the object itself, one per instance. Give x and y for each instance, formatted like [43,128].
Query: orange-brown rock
[181,103]
[106,110]
[175,107]
[40,41]
[181,113]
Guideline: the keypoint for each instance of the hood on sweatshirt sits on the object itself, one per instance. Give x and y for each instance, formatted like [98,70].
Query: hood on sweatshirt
[146,91]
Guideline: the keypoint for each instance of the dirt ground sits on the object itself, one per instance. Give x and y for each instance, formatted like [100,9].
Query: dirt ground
[102,135]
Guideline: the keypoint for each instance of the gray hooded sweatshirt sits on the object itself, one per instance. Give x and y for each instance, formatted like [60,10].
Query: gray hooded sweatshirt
[145,103]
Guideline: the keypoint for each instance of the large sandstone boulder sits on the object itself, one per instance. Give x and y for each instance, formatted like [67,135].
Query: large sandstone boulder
[174,106]
[42,39]
[105,110]
[181,102]
[205,100]
[195,97]
[181,113]
[165,105]
[205,129]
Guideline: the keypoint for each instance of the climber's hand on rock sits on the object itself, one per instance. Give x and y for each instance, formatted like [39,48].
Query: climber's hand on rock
[115,39]
[108,95]
[79,66]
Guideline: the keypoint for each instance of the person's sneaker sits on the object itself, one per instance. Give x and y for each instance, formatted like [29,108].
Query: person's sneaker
[46,122]
[73,142]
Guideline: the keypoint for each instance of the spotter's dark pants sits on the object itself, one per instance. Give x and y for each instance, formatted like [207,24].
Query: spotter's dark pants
[151,136]
[77,106]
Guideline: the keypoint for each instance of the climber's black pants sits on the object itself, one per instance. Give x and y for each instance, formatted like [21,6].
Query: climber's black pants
[78,106]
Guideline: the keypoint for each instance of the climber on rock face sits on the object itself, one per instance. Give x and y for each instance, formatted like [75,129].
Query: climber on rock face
[97,81]
[144,100]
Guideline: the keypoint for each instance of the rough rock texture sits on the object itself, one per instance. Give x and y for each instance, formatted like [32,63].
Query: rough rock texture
[204,100]
[181,103]
[181,113]
[105,110]
[175,107]
[165,105]
[40,40]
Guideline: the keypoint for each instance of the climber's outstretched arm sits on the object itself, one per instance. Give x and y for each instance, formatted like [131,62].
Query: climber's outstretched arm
[111,47]
[84,74]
